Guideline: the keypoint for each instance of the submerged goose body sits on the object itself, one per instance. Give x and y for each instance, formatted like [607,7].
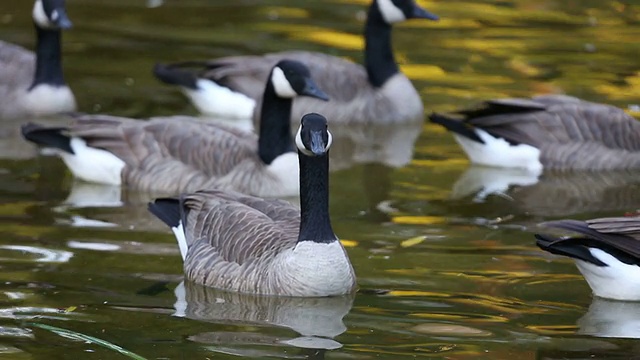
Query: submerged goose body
[551,132]
[607,253]
[252,245]
[33,84]
[169,156]
[377,91]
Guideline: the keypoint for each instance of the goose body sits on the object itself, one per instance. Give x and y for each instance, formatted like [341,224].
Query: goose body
[360,94]
[246,244]
[607,253]
[33,84]
[169,156]
[551,132]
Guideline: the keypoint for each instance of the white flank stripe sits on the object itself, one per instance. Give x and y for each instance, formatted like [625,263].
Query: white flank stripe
[498,152]
[93,165]
[618,280]
[182,240]
[213,99]
[287,170]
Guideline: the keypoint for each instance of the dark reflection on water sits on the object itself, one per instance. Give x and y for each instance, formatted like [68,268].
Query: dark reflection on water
[444,252]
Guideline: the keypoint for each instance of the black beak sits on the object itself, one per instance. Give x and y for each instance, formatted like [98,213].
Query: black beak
[311,89]
[318,146]
[62,21]
[420,13]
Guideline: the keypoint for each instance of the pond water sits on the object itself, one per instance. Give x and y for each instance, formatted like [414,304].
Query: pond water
[444,252]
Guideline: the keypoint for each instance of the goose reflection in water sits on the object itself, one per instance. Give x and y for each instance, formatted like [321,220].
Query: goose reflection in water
[552,194]
[611,318]
[316,320]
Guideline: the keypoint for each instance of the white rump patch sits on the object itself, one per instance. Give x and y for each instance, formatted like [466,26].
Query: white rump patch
[281,84]
[93,165]
[45,99]
[216,100]
[498,152]
[390,12]
[40,16]
[178,231]
[618,280]
[287,169]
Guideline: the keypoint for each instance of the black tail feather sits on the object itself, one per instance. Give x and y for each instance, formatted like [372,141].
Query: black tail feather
[456,126]
[47,136]
[167,210]
[570,247]
[175,76]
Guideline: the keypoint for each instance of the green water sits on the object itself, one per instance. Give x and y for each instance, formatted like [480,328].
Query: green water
[447,268]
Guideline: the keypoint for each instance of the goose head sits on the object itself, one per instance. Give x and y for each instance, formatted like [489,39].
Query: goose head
[313,137]
[51,14]
[394,11]
[292,78]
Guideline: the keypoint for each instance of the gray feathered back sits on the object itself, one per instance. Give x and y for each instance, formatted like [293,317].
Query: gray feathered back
[171,156]
[571,133]
[17,66]
[353,100]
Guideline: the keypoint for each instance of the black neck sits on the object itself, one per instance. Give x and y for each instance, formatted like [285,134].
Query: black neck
[379,59]
[315,224]
[275,126]
[48,58]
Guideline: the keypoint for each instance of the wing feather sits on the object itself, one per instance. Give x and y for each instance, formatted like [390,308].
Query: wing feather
[240,228]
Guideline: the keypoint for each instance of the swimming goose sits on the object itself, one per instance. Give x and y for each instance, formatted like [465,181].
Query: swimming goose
[252,245]
[33,85]
[607,253]
[377,91]
[169,156]
[552,131]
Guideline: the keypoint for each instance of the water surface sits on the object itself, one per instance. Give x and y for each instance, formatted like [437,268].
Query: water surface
[444,252]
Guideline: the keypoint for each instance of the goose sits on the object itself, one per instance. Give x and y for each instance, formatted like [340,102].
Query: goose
[168,156]
[33,85]
[377,91]
[607,253]
[247,244]
[547,132]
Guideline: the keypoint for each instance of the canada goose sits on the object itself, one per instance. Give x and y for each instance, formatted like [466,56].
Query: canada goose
[552,131]
[33,85]
[607,253]
[377,91]
[251,245]
[168,156]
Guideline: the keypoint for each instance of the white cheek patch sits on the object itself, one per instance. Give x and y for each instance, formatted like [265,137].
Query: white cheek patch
[390,12]
[40,16]
[281,84]
[303,149]
[300,145]
[329,141]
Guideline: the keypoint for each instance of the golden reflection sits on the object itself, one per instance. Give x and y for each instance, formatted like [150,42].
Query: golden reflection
[449,330]
[629,91]
[553,329]
[348,243]
[418,220]
[412,241]
[17,209]
[286,12]
[316,35]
